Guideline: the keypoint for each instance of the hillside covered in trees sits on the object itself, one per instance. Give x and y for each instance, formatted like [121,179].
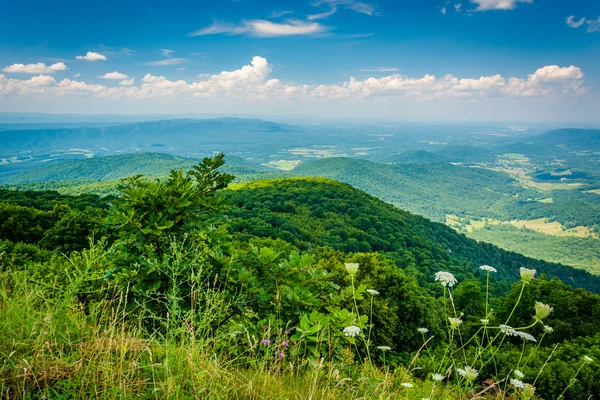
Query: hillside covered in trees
[308,271]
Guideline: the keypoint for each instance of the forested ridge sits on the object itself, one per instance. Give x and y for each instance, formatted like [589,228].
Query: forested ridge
[300,284]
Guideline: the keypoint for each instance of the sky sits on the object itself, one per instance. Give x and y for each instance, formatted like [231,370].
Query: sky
[455,60]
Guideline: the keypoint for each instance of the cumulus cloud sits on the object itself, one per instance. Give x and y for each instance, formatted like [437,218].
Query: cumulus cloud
[443,10]
[593,25]
[92,56]
[39,68]
[114,75]
[485,5]
[254,81]
[263,28]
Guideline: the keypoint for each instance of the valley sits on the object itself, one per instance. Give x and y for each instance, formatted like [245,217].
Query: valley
[491,183]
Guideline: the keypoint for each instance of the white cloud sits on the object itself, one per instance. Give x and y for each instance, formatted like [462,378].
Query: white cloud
[254,81]
[92,56]
[485,5]
[322,15]
[279,14]
[168,61]
[114,75]
[593,25]
[443,10]
[167,52]
[457,7]
[76,75]
[575,24]
[263,28]
[380,69]
[354,5]
[39,68]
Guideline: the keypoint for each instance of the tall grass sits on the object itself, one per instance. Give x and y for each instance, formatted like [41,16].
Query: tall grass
[55,346]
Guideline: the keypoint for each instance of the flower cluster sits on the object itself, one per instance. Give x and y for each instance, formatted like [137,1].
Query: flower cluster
[372,292]
[519,374]
[384,348]
[437,377]
[469,373]
[525,336]
[422,330]
[352,268]
[445,278]
[487,268]
[542,310]
[548,329]
[485,321]
[351,331]
[508,330]
[517,383]
[454,322]
[527,274]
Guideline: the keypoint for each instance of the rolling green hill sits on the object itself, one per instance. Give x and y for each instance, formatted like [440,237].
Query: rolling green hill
[432,189]
[312,212]
[437,190]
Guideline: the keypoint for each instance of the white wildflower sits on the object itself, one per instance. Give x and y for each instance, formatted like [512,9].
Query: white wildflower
[469,373]
[372,292]
[517,383]
[542,310]
[529,390]
[422,330]
[351,331]
[485,321]
[525,336]
[508,330]
[487,268]
[588,359]
[352,268]
[548,329]
[527,274]
[519,374]
[384,348]
[407,385]
[454,322]
[437,377]
[445,278]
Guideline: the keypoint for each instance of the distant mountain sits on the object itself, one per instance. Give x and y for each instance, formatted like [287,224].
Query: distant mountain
[584,139]
[184,137]
[416,157]
[467,154]
[313,212]
[110,168]
[558,143]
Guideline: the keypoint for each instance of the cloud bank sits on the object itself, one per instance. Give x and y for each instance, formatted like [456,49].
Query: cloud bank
[39,68]
[254,82]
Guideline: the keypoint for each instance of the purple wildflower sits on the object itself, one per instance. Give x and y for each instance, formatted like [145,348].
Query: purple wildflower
[266,342]
[281,355]
[287,343]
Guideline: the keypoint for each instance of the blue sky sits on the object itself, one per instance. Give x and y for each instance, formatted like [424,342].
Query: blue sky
[425,59]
